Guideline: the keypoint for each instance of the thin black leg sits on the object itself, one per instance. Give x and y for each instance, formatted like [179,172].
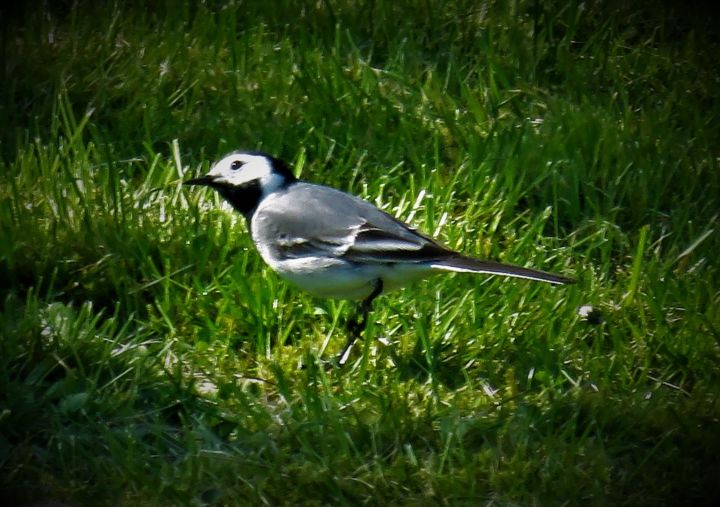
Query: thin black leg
[357,324]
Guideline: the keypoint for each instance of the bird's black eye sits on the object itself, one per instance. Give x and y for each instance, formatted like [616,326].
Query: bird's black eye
[237,164]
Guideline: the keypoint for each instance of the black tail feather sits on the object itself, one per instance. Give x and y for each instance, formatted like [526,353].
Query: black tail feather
[460,263]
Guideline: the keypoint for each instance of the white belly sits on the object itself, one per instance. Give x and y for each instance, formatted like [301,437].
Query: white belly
[335,278]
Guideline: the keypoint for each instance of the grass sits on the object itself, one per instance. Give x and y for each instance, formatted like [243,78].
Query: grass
[148,357]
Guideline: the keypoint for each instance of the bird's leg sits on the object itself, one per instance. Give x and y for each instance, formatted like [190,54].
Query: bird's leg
[356,325]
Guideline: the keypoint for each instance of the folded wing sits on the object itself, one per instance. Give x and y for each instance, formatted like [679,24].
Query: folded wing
[362,233]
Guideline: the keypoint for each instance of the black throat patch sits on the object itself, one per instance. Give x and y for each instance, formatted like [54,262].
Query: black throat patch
[244,198]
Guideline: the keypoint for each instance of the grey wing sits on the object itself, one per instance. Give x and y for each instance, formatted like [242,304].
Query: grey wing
[313,220]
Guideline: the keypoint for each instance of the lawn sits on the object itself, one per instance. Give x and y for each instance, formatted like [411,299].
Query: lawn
[149,357]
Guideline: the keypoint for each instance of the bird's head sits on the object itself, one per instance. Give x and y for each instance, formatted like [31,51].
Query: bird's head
[244,178]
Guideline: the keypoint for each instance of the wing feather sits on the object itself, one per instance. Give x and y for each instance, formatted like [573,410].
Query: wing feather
[305,221]
[375,245]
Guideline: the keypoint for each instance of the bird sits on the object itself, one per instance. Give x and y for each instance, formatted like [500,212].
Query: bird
[333,244]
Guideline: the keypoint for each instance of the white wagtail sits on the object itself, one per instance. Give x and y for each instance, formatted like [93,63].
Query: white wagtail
[333,244]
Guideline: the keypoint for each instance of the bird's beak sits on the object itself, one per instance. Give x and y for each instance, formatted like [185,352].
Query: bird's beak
[206,180]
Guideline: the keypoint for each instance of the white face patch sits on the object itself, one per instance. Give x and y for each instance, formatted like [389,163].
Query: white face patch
[239,169]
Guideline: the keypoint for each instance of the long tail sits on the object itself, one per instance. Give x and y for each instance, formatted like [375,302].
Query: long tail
[464,264]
